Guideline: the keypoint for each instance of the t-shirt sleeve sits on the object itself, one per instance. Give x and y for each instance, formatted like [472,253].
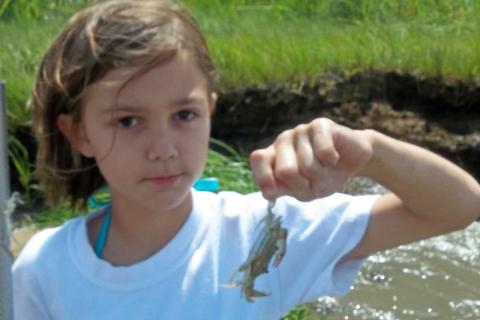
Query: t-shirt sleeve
[320,234]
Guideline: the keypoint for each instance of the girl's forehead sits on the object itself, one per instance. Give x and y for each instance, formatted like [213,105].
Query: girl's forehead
[109,84]
[114,79]
[179,78]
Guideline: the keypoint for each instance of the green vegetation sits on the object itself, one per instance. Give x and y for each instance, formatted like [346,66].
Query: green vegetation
[26,29]
[303,312]
[258,41]
[20,160]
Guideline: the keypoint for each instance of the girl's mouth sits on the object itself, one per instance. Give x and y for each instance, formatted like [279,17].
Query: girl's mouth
[164,181]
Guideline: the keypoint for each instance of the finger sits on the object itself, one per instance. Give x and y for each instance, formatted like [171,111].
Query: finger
[321,135]
[308,164]
[261,163]
[286,169]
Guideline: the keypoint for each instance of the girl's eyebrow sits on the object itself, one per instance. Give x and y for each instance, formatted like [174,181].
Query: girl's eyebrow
[132,108]
[186,100]
[123,108]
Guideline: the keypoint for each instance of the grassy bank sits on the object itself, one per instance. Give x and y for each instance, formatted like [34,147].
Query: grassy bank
[257,43]
[270,41]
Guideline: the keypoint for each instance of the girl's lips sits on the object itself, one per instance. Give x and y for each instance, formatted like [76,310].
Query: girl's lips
[164,181]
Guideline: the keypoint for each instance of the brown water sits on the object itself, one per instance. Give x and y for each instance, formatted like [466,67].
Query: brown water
[437,278]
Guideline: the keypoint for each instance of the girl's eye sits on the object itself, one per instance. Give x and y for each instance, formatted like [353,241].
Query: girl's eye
[127,122]
[185,115]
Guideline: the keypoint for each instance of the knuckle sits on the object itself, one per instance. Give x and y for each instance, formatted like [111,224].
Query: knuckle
[302,128]
[257,155]
[321,123]
[285,135]
[317,122]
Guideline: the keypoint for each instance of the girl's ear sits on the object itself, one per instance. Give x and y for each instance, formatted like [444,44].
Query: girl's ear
[75,134]
[213,103]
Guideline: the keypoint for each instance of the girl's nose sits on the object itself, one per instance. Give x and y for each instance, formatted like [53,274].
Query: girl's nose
[161,146]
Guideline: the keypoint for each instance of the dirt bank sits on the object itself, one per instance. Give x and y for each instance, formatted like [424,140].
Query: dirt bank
[443,116]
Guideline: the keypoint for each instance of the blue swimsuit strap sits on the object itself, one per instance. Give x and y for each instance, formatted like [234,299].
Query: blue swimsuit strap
[206,184]
[103,235]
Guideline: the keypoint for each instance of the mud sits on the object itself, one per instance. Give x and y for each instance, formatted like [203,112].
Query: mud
[441,115]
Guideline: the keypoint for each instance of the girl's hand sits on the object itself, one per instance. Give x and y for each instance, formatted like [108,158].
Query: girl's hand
[430,195]
[311,160]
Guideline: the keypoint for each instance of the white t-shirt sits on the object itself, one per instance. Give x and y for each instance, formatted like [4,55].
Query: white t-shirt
[58,275]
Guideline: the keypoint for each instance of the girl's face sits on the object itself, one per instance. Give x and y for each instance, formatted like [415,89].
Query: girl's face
[149,137]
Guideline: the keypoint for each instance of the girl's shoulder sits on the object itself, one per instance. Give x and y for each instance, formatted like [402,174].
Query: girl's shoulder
[45,244]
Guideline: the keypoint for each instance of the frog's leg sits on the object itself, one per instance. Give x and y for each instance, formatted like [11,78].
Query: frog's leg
[281,245]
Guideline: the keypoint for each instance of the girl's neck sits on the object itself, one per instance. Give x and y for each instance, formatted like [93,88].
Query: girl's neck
[138,233]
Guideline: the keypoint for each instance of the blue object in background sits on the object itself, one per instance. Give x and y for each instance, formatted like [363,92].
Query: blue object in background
[207,184]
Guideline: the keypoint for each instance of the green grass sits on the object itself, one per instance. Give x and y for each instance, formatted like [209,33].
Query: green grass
[255,42]
[258,41]
[26,30]
[21,52]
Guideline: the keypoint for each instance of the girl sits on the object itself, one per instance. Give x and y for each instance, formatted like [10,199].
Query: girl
[124,97]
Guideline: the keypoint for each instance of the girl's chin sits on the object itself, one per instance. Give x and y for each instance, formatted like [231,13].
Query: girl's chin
[171,197]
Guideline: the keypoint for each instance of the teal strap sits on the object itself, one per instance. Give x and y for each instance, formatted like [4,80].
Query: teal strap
[206,184]
[103,235]
[99,198]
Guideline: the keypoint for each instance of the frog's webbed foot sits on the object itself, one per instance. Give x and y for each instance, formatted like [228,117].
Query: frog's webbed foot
[251,293]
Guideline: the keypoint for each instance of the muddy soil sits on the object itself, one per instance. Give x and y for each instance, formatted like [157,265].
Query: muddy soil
[443,116]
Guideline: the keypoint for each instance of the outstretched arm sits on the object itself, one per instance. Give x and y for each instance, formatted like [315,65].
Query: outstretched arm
[430,195]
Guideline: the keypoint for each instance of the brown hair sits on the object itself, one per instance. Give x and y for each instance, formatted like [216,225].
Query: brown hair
[113,34]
